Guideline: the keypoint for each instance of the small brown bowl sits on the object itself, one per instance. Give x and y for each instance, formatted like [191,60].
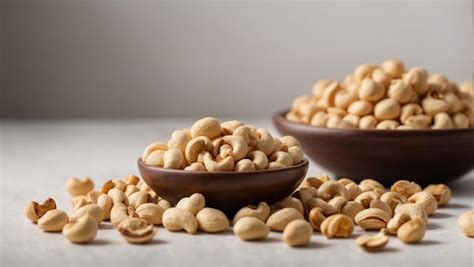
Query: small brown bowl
[424,156]
[226,191]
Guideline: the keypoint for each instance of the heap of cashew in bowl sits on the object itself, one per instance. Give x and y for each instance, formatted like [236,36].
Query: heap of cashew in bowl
[333,208]
[387,97]
[229,146]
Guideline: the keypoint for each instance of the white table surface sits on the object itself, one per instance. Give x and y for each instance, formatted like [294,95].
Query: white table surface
[37,157]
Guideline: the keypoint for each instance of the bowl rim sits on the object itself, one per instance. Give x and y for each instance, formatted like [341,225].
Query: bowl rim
[280,117]
[303,164]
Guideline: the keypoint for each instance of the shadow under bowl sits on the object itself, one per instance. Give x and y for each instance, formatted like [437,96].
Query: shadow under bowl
[226,191]
[424,156]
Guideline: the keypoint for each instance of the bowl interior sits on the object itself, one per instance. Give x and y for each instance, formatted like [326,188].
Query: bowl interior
[226,191]
[424,156]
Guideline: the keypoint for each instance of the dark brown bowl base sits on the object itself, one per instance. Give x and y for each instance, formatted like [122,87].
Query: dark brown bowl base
[424,156]
[226,191]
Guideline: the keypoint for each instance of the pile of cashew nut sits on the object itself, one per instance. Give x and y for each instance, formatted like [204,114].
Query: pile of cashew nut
[387,96]
[229,146]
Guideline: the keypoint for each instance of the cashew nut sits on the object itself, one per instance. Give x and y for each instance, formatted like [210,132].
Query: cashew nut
[261,212]
[208,127]
[77,187]
[175,219]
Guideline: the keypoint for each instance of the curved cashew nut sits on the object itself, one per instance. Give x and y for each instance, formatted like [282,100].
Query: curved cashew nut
[434,102]
[193,203]
[297,153]
[173,159]
[261,212]
[195,166]
[330,189]
[179,139]
[195,146]
[280,159]
[265,141]
[426,201]
[442,121]
[409,110]
[208,127]
[366,197]
[225,164]
[229,127]
[238,145]
[249,134]
[175,219]
[418,78]
[153,147]
[259,158]
[156,158]
[290,141]
[244,165]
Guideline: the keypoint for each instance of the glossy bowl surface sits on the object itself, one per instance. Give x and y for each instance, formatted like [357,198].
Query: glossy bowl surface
[226,191]
[424,156]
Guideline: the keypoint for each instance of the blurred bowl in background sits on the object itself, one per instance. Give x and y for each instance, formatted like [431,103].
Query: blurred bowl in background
[226,191]
[424,156]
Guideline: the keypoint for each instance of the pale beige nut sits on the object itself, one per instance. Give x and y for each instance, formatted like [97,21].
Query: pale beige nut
[120,212]
[305,193]
[281,218]
[338,225]
[460,120]
[330,189]
[244,165]
[251,228]
[239,147]
[264,142]
[371,185]
[351,209]
[393,199]
[368,122]
[327,209]
[454,103]
[353,190]
[130,189]
[179,139]
[387,125]
[327,99]
[351,118]
[93,196]
[404,213]
[434,103]
[366,197]
[320,86]
[409,110]
[83,230]
[34,211]
[150,212]
[371,91]
[80,201]
[422,121]
[343,99]
[138,198]
[338,202]
[379,204]
[211,164]
[418,79]
[297,233]
[93,210]
[105,203]
[336,111]
[393,67]
[208,127]
[387,109]
[373,242]
[165,204]
[466,223]
[360,108]
[372,219]
[118,196]
[319,119]
[441,192]
[442,120]
[289,202]
[193,203]
[77,187]
[151,148]
[228,127]
[261,212]
[296,153]
[280,160]
[248,133]
[381,77]
[400,91]
[259,159]
[156,158]
[175,219]
[345,181]
[316,217]
[195,166]
[198,145]
[363,71]
[113,184]
[53,221]
[406,188]
[212,220]
[425,200]
[412,231]
[336,121]
[173,159]
[136,230]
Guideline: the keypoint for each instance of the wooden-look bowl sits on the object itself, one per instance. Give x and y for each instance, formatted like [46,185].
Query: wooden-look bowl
[226,191]
[424,156]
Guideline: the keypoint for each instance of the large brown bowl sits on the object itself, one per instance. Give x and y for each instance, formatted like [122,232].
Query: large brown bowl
[424,156]
[226,191]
